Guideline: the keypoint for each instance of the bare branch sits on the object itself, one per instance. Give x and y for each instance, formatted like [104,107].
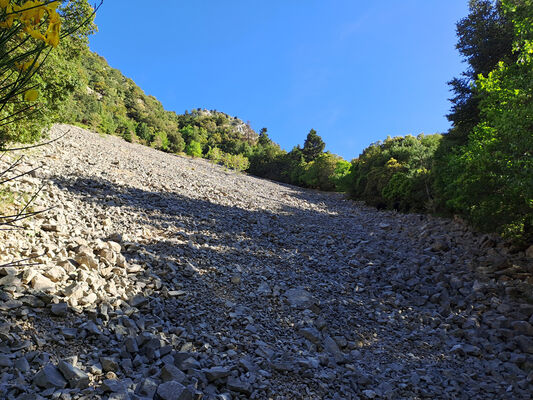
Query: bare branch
[36,145]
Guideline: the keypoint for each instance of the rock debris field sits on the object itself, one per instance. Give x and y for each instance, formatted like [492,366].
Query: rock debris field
[164,277]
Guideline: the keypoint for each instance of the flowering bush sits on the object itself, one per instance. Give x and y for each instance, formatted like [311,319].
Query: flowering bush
[34,80]
[27,30]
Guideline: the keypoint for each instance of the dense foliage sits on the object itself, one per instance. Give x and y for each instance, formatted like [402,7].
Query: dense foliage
[490,178]
[36,65]
[396,173]
[482,169]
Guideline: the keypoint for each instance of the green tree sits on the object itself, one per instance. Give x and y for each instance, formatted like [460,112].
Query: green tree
[490,179]
[144,132]
[194,149]
[320,173]
[485,38]
[55,78]
[396,173]
[313,146]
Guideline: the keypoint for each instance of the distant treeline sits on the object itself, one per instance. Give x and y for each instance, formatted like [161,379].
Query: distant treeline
[482,169]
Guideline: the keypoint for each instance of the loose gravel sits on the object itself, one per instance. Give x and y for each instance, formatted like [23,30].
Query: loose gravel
[165,277]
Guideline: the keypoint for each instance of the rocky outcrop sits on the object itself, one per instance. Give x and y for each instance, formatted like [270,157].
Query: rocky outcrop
[163,277]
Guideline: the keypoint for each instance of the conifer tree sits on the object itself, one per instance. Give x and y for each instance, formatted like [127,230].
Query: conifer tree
[313,146]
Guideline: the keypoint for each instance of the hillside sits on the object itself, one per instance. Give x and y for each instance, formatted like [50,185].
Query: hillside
[110,103]
[167,277]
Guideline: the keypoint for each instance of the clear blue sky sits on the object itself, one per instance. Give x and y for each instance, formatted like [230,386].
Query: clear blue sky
[355,71]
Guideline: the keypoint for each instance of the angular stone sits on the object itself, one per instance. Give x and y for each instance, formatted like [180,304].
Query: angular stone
[22,365]
[332,348]
[89,299]
[76,377]
[189,363]
[529,251]
[147,388]
[465,349]
[60,309]
[131,345]
[114,246]
[300,299]
[5,361]
[109,364]
[171,391]
[311,334]
[49,377]
[86,257]
[74,291]
[170,372]
[10,280]
[55,274]
[525,343]
[40,282]
[113,385]
[212,374]
[138,301]
[92,328]
[239,386]
[108,255]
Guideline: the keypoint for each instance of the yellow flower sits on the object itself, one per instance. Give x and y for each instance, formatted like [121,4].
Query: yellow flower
[51,7]
[31,95]
[34,33]
[52,33]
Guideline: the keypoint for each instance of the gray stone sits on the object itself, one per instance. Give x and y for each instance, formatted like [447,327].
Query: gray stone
[147,388]
[113,385]
[109,364]
[332,348]
[138,301]
[49,377]
[212,374]
[171,390]
[92,328]
[465,349]
[529,251]
[300,299]
[171,373]
[60,309]
[236,385]
[5,361]
[76,377]
[311,334]
[131,345]
[525,343]
[22,365]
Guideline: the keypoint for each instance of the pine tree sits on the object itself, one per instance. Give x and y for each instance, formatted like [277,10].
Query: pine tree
[313,146]
[485,38]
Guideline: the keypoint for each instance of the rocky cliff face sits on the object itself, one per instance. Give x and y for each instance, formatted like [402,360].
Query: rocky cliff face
[241,128]
[163,277]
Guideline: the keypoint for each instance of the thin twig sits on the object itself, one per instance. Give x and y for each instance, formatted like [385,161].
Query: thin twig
[20,216]
[13,263]
[20,175]
[11,166]
[36,145]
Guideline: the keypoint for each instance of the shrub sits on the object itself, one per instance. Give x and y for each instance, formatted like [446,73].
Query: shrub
[160,141]
[214,154]
[176,144]
[194,149]
[395,173]
[235,161]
